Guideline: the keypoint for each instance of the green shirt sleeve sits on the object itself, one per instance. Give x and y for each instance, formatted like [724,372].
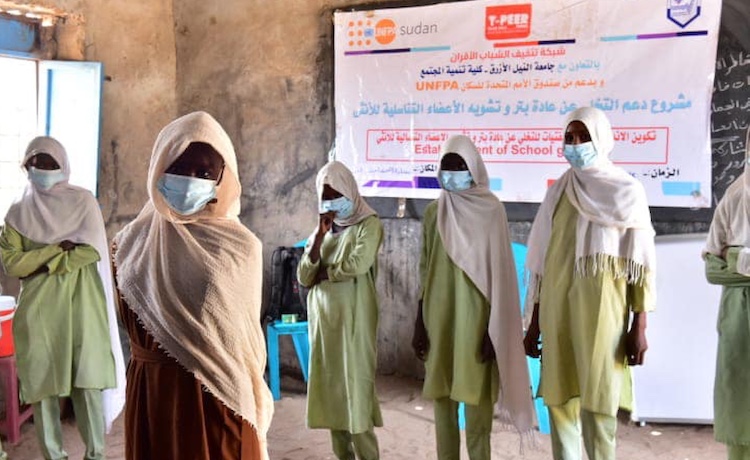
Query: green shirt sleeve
[307,270]
[21,263]
[428,229]
[72,260]
[724,272]
[641,296]
[362,257]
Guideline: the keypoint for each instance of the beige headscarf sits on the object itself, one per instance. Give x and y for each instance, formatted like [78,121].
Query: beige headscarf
[614,231]
[474,229]
[338,177]
[731,222]
[195,282]
[68,212]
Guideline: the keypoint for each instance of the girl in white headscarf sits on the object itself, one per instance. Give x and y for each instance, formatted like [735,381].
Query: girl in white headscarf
[65,329]
[592,260]
[468,325]
[189,274]
[727,258]
[340,267]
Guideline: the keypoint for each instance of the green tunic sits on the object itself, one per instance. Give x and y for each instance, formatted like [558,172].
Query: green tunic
[456,315]
[731,395]
[583,322]
[343,323]
[60,328]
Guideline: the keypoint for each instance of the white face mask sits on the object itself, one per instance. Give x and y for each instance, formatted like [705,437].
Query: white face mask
[186,195]
[456,181]
[580,156]
[342,206]
[45,179]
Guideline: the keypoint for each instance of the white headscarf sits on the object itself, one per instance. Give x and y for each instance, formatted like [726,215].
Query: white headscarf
[68,212]
[195,282]
[338,177]
[731,222]
[614,231]
[474,229]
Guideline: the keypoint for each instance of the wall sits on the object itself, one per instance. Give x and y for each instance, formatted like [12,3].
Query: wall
[135,40]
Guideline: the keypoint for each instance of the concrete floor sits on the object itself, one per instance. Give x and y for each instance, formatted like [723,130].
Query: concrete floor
[409,433]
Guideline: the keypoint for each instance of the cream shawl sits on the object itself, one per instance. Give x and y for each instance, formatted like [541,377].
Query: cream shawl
[731,222]
[338,177]
[68,212]
[195,282]
[613,233]
[474,230]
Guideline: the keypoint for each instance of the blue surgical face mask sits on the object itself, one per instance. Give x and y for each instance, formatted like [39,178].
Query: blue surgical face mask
[342,206]
[186,195]
[456,181]
[580,156]
[45,179]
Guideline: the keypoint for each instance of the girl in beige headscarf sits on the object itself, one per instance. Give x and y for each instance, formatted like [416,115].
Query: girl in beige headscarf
[592,261]
[468,325]
[340,266]
[190,278]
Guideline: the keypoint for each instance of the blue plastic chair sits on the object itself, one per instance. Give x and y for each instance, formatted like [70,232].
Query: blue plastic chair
[519,256]
[298,331]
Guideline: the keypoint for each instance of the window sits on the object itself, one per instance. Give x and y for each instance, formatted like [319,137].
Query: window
[56,98]
[18,125]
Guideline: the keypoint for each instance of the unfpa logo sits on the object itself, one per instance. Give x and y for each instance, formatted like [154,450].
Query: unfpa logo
[359,33]
[365,32]
[385,31]
[507,21]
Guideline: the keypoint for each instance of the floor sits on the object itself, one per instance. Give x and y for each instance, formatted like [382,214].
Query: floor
[409,433]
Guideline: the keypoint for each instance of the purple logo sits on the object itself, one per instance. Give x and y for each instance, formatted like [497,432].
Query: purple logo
[683,12]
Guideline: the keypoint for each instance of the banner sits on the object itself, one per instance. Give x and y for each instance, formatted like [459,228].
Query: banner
[507,74]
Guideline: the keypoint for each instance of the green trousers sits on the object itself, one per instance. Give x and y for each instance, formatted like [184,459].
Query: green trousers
[599,431]
[87,405]
[737,452]
[478,428]
[346,444]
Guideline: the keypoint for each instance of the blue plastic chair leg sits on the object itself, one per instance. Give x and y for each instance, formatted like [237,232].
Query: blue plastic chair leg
[543,415]
[302,347]
[273,362]
[461,416]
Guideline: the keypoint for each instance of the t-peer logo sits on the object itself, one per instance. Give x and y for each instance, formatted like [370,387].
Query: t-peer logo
[507,21]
